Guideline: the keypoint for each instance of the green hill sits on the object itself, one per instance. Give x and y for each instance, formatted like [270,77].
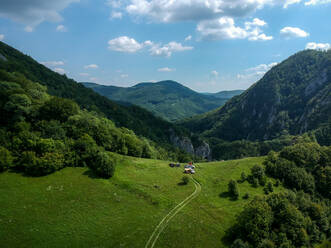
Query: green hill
[292,98]
[71,208]
[167,99]
[131,117]
[226,94]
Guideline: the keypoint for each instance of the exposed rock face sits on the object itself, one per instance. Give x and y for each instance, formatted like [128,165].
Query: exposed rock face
[203,151]
[185,144]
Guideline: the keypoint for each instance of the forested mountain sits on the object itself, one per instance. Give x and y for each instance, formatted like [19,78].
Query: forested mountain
[142,122]
[167,99]
[292,98]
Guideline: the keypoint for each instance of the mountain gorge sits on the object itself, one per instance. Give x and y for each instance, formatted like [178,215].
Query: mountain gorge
[292,98]
[167,99]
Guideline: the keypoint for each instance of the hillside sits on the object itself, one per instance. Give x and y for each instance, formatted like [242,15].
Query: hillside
[292,98]
[131,117]
[226,94]
[72,208]
[167,99]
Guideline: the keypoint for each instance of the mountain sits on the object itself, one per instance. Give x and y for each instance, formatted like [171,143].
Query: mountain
[226,94]
[292,98]
[141,121]
[167,99]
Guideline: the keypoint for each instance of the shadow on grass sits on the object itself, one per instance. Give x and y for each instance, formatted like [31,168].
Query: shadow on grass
[227,195]
[181,184]
[91,174]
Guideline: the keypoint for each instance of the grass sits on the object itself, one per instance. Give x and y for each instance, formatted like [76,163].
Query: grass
[71,208]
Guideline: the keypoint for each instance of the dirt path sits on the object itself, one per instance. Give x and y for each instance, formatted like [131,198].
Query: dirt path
[164,222]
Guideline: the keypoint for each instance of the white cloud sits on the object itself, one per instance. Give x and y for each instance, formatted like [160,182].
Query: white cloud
[193,10]
[124,75]
[33,12]
[2,37]
[130,45]
[166,69]
[94,79]
[124,44]
[52,63]
[188,38]
[116,15]
[59,70]
[61,28]
[28,29]
[318,46]
[84,74]
[290,2]
[255,73]
[225,28]
[315,2]
[91,66]
[168,49]
[292,32]
[214,73]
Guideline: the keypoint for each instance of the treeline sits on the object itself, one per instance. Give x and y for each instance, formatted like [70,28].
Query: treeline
[299,218]
[244,148]
[40,134]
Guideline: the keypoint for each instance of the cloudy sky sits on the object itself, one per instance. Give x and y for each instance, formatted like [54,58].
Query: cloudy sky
[207,45]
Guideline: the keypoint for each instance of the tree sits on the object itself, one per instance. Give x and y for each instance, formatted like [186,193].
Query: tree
[185,180]
[243,177]
[238,243]
[104,164]
[233,189]
[270,187]
[6,159]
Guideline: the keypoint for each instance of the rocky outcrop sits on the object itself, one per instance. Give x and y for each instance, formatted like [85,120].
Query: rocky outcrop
[184,143]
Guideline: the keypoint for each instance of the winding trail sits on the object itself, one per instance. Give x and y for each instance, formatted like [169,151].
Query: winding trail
[164,222]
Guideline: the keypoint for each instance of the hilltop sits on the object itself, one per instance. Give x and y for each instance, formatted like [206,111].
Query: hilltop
[168,99]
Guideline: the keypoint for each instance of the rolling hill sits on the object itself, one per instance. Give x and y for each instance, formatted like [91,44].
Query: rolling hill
[167,99]
[292,98]
[141,121]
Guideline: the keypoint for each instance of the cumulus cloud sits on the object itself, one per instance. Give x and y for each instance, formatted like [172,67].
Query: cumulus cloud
[91,66]
[33,12]
[2,37]
[124,44]
[254,73]
[59,70]
[130,45]
[116,15]
[52,63]
[28,29]
[225,28]
[293,32]
[290,2]
[315,2]
[61,28]
[193,10]
[318,46]
[166,69]
[214,73]
[189,37]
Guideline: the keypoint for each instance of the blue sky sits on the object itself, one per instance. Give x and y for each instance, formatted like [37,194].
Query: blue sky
[207,45]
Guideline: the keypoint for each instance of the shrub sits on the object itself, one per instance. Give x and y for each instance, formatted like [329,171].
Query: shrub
[104,164]
[233,189]
[185,180]
[243,177]
[246,196]
[270,187]
[255,182]
[263,180]
[6,159]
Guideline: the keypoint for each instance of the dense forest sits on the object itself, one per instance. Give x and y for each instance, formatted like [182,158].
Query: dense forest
[167,99]
[41,133]
[300,217]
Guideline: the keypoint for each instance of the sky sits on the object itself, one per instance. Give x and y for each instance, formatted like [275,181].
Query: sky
[207,45]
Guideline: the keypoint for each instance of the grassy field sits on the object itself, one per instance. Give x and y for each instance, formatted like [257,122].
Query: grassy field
[72,208]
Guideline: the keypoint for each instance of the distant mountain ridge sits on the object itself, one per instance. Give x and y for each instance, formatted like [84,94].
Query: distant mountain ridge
[292,98]
[167,99]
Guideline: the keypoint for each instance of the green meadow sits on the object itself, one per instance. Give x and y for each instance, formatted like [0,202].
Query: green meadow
[73,208]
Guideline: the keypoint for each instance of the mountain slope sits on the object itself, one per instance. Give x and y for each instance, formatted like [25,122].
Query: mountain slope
[293,97]
[226,94]
[131,117]
[167,99]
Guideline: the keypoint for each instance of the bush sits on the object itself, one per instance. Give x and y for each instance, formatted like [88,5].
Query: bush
[104,164]
[233,189]
[6,159]
[263,180]
[243,177]
[255,182]
[185,180]
[246,196]
[270,187]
